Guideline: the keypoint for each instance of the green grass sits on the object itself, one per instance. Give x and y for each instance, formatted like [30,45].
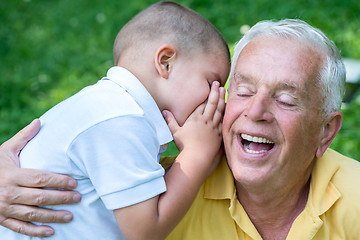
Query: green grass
[51,49]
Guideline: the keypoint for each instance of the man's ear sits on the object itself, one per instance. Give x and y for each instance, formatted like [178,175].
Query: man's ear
[164,58]
[330,129]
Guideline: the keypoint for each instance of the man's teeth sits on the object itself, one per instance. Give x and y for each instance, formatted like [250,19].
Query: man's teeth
[249,139]
[255,139]
[246,147]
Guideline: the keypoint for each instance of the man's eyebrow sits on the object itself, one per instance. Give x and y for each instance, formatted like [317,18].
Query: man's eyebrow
[241,77]
[289,86]
[294,88]
[282,86]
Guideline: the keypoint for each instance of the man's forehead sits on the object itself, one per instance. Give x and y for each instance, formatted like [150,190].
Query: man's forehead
[278,57]
[285,84]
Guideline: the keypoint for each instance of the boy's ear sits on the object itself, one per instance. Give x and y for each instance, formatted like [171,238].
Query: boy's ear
[164,57]
[330,129]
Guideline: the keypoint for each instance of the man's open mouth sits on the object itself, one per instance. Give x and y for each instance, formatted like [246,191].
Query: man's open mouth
[256,145]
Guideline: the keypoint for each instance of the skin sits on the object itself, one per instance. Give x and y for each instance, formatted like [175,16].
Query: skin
[178,82]
[274,95]
[260,105]
[192,78]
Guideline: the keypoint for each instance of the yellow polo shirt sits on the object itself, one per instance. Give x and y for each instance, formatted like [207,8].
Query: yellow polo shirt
[332,210]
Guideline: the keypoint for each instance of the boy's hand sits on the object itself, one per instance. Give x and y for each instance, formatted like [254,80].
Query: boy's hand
[20,190]
[201,132]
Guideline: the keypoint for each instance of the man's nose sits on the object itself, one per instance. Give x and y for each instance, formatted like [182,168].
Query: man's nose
[259,108]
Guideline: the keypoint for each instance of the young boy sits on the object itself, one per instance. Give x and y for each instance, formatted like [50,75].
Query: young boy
[109,136]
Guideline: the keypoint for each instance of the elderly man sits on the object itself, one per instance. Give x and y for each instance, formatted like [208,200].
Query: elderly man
[282,113]
[279,179]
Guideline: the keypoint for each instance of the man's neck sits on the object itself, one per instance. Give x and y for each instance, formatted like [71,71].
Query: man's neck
[274,211]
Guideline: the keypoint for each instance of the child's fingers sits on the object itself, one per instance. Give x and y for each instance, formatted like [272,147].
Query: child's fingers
[213,100]
[220,107]
[171,121]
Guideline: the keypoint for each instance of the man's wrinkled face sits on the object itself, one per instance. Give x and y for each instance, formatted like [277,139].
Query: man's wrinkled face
[272,123]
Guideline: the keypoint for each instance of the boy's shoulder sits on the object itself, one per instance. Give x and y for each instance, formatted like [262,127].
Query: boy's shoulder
[92,105]
[107,98]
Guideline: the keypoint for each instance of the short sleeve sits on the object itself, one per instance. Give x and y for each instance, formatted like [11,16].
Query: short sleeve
[119,156]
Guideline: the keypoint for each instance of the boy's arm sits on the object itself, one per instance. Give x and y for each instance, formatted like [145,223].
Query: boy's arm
[198,141]
[20,190]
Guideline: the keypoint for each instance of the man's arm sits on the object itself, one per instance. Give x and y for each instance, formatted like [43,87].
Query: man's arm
[20,190]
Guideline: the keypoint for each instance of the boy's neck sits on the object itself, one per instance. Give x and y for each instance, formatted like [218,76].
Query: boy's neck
[145,76]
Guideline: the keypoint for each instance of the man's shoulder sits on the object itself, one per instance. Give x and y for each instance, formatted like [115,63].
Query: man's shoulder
[343,187]
[348,168]
[347,177]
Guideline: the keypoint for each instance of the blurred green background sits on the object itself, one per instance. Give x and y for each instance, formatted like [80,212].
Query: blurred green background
[51,49]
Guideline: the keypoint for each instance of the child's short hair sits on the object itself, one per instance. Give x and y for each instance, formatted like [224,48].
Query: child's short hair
[181,26]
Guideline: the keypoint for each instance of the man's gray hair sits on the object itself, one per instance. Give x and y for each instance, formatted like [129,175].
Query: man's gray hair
[332,75]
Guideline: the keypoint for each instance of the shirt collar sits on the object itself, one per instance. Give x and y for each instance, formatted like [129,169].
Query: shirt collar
[323,194]
[134,87]
[221,183]
[221,186]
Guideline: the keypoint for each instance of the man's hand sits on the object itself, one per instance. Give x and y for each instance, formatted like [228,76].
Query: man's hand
[21,190]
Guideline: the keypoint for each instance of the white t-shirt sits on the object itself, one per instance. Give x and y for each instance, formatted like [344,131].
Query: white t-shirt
[109,137]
